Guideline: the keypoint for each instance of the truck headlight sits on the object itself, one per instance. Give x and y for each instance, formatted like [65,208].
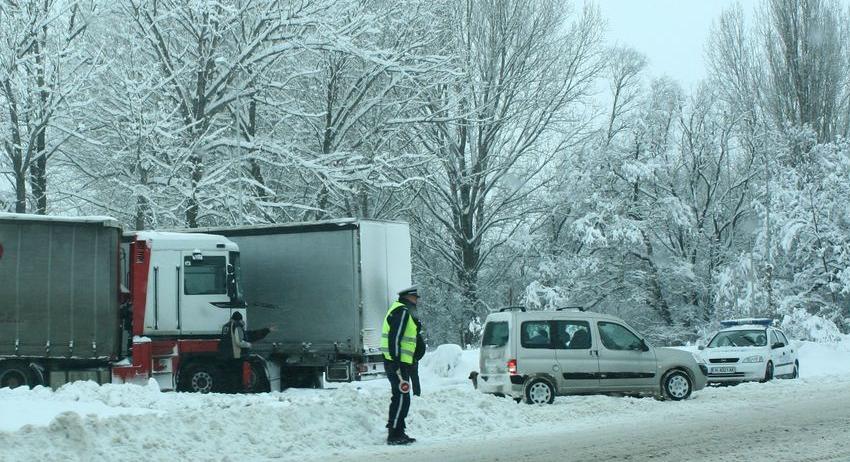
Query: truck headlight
[754,359]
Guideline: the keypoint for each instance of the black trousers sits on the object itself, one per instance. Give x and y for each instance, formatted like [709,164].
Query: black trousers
[400,402]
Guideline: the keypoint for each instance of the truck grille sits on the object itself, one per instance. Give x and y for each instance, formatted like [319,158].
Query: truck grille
[723,360]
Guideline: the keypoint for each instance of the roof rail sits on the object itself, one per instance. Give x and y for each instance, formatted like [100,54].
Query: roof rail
[512,308]
[766,322]
[564,308]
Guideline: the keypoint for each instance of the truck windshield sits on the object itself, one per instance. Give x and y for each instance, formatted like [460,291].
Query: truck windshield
[739,338]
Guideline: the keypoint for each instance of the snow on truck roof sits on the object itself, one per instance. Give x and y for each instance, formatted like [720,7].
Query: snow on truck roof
[101,220]
[294,227]
[181,241]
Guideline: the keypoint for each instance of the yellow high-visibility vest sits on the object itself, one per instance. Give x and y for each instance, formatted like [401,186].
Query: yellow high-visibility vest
[406,339]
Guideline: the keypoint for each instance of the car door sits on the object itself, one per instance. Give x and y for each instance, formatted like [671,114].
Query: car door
[625,362]
[792,354]
[536,354]
[782,364]
[575,353]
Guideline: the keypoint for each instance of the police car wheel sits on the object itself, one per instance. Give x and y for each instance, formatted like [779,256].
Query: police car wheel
[768,372]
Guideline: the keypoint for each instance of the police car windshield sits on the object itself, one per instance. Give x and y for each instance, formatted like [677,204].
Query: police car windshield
[739,338]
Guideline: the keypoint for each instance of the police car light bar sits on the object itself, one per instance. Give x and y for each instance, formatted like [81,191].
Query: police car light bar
[766,322]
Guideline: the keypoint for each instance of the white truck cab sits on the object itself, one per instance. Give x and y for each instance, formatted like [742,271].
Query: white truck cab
[193,283]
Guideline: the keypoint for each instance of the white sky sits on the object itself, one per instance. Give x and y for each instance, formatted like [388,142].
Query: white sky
[671,33]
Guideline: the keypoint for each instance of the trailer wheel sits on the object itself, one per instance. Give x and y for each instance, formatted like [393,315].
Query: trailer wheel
[201,377]
[14,374]
[259,381]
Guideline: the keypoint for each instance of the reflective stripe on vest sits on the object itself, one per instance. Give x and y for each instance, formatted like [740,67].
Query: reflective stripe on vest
[406,339]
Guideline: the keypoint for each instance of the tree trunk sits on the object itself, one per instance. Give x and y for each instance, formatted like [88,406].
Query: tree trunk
[20,188]
[192,211]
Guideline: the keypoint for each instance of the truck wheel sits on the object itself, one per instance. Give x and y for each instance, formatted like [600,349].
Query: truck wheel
[259,380]
[14,374]
[676,385]
[202,378]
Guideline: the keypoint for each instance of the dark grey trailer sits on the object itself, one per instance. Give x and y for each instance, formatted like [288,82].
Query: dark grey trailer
[59,296]
[327,287]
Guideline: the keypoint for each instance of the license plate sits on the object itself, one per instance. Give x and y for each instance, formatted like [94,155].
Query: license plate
[723,370]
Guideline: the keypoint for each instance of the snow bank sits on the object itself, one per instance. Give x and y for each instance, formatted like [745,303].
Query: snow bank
[444,361]
[804,326]
[88,422]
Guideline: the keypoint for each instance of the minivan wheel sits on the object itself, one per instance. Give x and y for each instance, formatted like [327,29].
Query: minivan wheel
[539,391]
[677,385]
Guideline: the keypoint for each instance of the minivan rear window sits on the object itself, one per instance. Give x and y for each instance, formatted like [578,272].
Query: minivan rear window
[495,334]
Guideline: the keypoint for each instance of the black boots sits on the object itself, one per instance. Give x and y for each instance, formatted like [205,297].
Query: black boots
[398,437]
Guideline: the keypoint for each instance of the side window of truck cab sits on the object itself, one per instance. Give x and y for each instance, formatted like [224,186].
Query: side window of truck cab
[205,277]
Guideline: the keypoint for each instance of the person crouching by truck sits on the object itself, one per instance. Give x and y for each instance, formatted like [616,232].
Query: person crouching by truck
[402,346]
[235,343]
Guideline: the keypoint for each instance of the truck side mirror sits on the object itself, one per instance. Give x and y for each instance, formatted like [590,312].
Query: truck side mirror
[231,282]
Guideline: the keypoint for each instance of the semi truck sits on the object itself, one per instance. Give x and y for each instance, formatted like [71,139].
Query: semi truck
[79,300]
[327,285]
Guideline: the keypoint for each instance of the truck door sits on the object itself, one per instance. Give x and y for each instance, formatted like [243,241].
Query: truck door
[576,353]
[161,311]
[203,282]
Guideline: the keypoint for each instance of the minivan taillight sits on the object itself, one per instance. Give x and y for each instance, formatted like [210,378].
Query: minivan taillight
[512,367]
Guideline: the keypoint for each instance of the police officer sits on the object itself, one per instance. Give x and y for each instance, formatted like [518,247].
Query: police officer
[399,339]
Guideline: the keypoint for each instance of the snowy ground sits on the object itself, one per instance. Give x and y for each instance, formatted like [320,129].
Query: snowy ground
[83,421]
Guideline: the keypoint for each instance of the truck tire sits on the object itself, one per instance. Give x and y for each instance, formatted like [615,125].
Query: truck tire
[14,374]
[201,377]
[259,380]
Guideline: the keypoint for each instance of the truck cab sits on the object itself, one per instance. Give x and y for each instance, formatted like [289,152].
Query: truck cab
[182,289]
[191,286]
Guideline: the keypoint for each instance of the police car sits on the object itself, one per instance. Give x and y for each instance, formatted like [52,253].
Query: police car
[749,350]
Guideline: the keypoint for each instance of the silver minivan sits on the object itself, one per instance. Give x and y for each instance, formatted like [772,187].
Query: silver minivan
[537,355]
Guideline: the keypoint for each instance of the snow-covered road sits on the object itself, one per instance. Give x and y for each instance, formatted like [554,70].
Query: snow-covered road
[768,423]
[86,422]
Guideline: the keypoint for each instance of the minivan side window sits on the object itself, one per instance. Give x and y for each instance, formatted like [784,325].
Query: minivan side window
[495,334]
[572,335]
[536,334]
[617,337]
